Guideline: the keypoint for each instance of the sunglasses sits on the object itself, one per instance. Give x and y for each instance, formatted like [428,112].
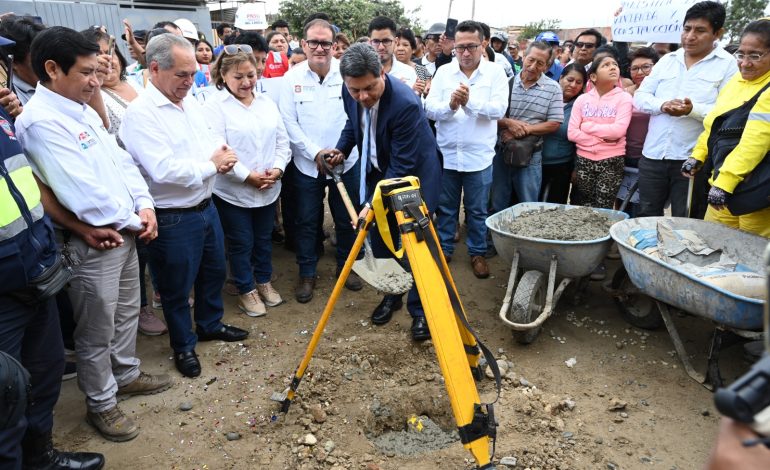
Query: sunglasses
[585,45]
[232,49]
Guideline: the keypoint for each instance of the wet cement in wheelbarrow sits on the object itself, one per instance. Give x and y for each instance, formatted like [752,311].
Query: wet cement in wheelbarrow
[578,224]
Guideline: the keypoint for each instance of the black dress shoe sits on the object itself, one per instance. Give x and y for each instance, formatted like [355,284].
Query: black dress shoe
[384,311]
[420,331]
[40,454]
[187,363]
[226,333]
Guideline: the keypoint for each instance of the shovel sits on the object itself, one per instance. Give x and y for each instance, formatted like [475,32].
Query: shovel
[384,274]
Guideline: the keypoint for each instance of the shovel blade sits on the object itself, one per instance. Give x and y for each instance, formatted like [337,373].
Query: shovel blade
[385,275]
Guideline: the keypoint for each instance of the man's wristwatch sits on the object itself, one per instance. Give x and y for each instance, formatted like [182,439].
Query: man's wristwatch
[279,176]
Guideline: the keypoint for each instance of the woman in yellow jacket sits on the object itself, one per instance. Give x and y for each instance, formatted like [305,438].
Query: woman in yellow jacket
[753,57]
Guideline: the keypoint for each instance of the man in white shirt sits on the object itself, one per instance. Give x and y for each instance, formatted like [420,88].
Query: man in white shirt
[382,37]
[679,92]
[312,109]
[466,99]
[97,181]
[166,132]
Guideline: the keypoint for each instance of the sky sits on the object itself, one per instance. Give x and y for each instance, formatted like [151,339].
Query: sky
[571,13]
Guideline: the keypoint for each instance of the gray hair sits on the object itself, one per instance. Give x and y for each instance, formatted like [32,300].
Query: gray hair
[160,49]
[360,60]
[541,46]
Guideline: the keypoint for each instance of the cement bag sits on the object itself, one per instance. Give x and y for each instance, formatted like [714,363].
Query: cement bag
[747,284]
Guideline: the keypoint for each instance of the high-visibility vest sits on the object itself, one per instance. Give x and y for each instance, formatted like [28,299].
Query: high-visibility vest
[27,243]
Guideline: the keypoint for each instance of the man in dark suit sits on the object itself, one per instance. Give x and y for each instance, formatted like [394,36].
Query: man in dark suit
[387,123]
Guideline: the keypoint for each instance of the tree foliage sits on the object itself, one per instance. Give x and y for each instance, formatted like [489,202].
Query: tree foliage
[530,30]
[352,16]
[740,13]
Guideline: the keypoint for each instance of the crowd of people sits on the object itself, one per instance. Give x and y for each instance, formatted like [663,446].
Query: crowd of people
[195,160]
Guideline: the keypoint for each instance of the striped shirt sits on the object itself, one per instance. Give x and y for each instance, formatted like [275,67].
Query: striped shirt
[540,103]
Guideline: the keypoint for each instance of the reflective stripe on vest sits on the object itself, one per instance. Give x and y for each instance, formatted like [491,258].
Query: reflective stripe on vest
[12,221]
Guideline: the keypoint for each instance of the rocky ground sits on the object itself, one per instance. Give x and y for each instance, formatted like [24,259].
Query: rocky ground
[590,393]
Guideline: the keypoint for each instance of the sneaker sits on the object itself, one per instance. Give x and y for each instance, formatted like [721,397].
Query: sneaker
[157,304]
[599,273]
[70,371]
[149,324]
[113,424]
[146,384]
[251,304]
[269,295]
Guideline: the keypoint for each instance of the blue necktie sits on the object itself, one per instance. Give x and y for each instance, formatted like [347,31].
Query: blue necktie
[365,156]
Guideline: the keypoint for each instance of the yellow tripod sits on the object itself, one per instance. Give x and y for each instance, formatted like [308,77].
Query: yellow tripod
[457,348]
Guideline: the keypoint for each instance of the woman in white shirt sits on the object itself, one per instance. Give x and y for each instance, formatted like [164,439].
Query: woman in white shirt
[246,197]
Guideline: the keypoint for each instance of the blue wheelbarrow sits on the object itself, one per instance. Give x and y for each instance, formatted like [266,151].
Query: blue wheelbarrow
[530,299]
[646,287]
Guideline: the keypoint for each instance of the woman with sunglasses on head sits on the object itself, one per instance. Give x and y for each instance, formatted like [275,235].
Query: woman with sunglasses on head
[246,197]
[558,152]
[734,147]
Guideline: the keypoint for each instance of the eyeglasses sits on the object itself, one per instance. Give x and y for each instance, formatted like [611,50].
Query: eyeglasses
[646,68]
[755,57]
[232,49]
[585,45]
[325,45]
[384,42]
[470,48]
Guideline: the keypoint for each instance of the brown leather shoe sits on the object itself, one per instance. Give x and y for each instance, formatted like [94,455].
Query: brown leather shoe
[304,291]
[480,268]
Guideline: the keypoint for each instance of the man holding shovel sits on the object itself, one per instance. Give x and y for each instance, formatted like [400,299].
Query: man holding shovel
[387,124]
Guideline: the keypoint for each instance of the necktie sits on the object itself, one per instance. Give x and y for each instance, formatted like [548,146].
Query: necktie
[365,156]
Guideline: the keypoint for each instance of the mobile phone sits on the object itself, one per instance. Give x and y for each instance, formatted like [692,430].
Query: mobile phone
[111,46]
[9,71]
[451,27]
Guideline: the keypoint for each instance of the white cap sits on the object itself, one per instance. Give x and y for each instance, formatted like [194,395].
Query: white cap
[251,16]
[188,28]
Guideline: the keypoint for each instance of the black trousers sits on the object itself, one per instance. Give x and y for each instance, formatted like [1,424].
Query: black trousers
[556,178]
[661,180]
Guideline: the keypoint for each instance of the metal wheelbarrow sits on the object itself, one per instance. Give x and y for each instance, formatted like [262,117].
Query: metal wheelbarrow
[531,299]
[652,286]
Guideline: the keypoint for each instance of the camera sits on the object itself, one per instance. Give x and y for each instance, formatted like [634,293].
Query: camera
[747,400]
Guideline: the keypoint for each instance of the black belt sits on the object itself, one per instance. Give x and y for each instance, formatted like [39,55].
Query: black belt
[197,208]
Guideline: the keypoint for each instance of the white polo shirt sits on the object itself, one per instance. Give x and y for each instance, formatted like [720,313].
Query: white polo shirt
[173,146]
[258,136]
[314,114]
[71,152]
[468,135]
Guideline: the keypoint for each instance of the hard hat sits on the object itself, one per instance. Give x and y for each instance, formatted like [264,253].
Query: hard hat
[548,37]
[251,16]
[188,28]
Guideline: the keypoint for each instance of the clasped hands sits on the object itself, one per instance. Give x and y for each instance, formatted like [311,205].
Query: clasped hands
[513,129]
[677,107]
[459,97]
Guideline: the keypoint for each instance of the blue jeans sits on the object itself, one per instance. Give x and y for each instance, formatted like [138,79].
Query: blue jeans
[474,187]
[31,334]
[525,181]
[309,199]
[189,252]
[249,242]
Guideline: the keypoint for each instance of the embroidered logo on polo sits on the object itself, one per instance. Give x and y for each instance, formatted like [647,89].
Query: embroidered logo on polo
[86,141]
[7,129]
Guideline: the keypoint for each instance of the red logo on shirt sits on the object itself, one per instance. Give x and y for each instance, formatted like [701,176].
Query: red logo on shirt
[7,129]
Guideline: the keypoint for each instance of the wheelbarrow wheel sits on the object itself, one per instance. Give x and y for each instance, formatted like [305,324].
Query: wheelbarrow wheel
[636,308]
[528,302]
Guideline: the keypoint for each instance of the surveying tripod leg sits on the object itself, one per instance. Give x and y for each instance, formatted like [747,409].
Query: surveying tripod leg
[449,345]
[471,348]
[343,277]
